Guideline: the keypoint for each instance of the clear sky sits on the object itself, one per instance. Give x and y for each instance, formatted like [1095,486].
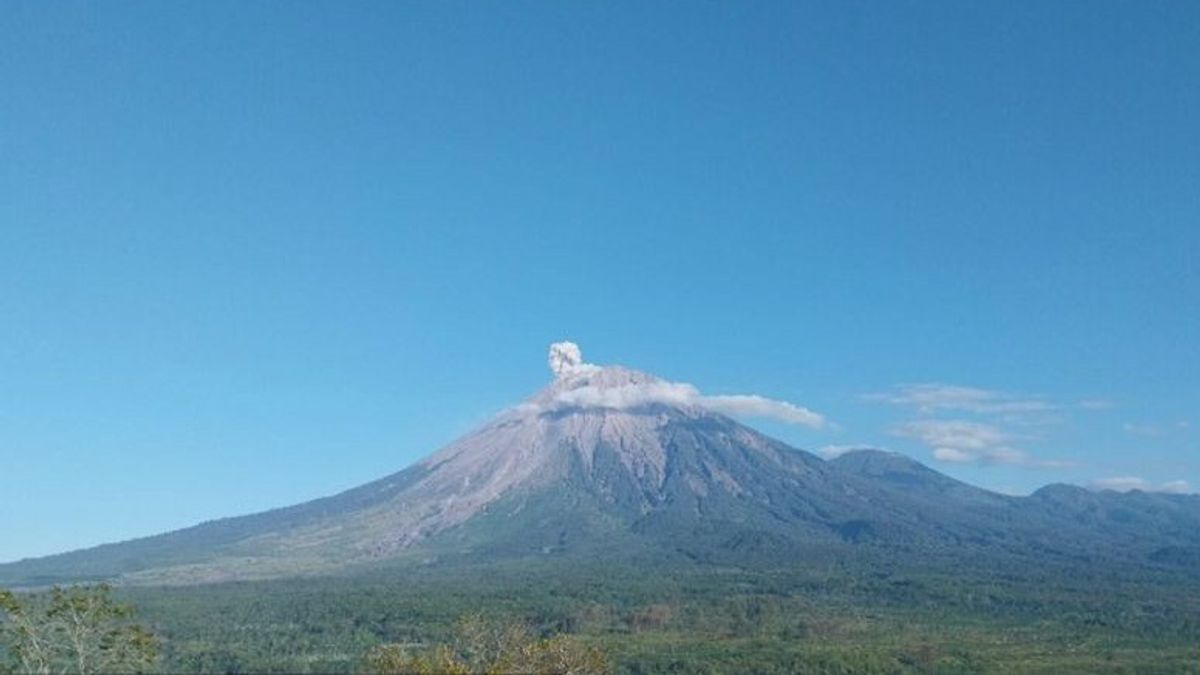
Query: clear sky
[256,253]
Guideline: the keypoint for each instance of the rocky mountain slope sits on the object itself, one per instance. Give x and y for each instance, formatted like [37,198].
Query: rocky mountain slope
[612,461]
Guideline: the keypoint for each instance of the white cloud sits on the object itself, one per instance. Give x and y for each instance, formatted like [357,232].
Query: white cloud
[1175,487]
[973,441]
[1130,483]
[954,434]
[752,405]
[1097,404]
[954,455]
[965,442]
[835,451]
[934,397]
[1120,483]
[1156,430]
[1146,430]
[1149,430]
[566,359]
[628,396]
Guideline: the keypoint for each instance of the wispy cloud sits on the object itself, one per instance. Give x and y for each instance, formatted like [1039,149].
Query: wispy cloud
[835,451]
[958,434]
[935,397]
[986,436]
[967,442]
[753,405]
[1130,483]
[1175,487]
[1144,430]
[932,398]
[1159,430]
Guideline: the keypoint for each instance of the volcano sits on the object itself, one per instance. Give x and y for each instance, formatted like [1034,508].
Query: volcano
[615,462]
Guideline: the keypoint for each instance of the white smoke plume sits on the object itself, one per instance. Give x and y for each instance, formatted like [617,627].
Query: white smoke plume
[566,359]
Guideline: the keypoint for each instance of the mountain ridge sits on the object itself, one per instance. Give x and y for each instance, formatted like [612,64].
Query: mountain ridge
[615,460]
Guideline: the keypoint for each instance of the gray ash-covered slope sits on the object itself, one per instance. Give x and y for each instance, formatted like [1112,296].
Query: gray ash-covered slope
[610,461]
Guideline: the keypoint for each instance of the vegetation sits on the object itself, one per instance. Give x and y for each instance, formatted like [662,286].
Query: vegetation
[489,646]
[825,615]
[650,618]
[79,630]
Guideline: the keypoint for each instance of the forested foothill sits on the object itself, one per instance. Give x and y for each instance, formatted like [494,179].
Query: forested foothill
[605,617]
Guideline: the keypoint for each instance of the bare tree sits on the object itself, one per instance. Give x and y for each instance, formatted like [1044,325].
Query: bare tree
[79,630]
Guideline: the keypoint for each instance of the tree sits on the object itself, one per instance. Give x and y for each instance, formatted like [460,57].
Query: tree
[483,647]
[79,630]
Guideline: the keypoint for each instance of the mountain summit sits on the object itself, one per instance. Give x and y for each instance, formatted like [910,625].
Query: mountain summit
[613,461]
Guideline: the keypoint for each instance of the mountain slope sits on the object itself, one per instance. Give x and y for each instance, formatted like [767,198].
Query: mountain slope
[617,462]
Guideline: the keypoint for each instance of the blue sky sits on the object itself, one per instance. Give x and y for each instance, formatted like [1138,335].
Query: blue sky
[256,253]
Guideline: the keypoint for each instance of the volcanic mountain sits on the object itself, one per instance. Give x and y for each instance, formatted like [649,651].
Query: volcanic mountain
[612,461]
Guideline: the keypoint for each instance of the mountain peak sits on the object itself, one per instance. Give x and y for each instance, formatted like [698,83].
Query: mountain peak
[868,454]
[612,387]
[572,372]
[877,462]
[579,385]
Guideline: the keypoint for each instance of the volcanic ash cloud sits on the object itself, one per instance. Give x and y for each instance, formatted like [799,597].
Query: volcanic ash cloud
[564,358]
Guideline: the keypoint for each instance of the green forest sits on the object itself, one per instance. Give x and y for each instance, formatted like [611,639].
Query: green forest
[596,617]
